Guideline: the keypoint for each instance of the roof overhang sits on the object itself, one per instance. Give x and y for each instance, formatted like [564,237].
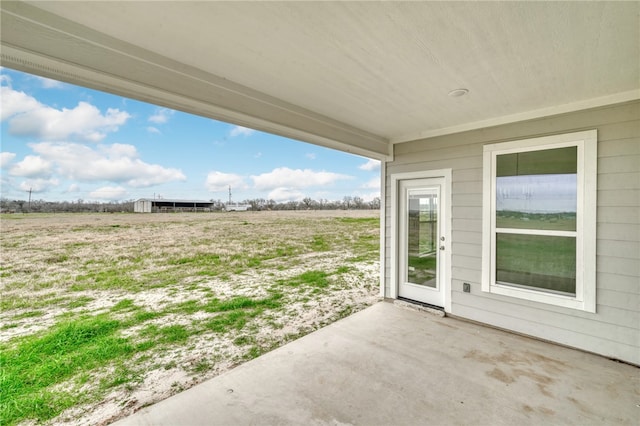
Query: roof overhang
[375,78]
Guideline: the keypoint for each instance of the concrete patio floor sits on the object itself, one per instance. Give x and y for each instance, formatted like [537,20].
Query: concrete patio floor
[389,365]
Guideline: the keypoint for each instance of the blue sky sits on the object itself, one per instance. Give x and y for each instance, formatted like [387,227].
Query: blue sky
[65,142]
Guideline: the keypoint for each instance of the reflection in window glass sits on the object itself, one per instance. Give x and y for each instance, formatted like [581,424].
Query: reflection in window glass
[537,202]
[542,162]
[537,261]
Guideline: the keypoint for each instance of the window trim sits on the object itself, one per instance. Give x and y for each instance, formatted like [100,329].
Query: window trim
[586,142]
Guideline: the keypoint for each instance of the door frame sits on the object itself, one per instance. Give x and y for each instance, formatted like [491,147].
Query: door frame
[445,270]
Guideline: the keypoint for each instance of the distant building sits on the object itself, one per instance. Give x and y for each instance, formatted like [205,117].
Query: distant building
[235,207]
[147,205]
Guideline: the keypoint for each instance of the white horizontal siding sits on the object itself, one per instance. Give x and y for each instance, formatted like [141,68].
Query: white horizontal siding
[625,350]
[614,330]
[627,180]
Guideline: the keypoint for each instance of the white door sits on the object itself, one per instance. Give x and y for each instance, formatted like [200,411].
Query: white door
[421,238]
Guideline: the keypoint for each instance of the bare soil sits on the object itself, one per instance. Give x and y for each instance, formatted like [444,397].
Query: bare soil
[56,267]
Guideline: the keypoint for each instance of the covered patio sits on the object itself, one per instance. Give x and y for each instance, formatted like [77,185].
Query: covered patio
[390,365]
[423,87]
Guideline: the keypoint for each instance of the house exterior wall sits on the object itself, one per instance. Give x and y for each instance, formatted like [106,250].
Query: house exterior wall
[614,330]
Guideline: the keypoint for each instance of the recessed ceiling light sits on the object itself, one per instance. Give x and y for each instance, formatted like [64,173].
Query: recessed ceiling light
[458,92]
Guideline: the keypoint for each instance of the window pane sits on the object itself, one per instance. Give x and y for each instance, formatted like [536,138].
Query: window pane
[541,262]
[543,162]
[423,238]
[537,189]
[537,202]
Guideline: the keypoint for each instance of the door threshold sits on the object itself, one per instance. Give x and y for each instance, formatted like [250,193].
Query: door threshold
[419,306]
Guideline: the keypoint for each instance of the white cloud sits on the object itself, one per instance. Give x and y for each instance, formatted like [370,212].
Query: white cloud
[154,130]
[48,83]
[32,166]
[284,177]
[4,78]
[161,115]
[118,150]
[372,184]
[258,155]
[240,131]
[38,184]
[109,193]
[370,165]
[6,158]
[28,117]
[74,187]
[14,102]
[116,163]
[218,181]
[285,194]
[310,156]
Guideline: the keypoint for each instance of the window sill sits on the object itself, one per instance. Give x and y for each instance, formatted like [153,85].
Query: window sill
[564,301]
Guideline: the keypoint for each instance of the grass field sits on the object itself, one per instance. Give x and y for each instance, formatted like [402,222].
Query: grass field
[102,314]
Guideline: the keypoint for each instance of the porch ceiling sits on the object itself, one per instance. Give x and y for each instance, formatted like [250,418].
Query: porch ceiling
[349,75]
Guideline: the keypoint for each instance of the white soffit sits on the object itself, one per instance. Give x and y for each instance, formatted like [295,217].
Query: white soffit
[350,75]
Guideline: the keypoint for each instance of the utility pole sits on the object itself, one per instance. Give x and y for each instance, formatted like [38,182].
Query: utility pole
[229,194]
[30,189]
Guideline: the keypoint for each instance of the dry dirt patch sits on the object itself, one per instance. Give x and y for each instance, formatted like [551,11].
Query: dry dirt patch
[192,295]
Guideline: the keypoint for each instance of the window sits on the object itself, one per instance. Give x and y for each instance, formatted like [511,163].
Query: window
[539,219]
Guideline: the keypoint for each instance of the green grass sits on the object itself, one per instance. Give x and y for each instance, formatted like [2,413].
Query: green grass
[360,220]
[38,302]
[106,279]
[42,373]
[319,243]
[80,302]
[32,366]
[125,304]
[142,316]
[225,322]
[318,279]
[344,269]
[168,334]
[200,259]
[9,326]
[57,258]
[28,314]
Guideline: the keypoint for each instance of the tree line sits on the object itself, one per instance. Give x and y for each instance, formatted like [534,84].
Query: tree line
[257,204]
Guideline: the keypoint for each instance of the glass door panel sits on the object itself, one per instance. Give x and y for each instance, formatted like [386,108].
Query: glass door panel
[422,238]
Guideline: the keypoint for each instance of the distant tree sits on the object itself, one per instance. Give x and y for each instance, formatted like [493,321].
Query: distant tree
[375,203]
[271,204]
[358,203]
[308,203]
[347,202]
[291,205]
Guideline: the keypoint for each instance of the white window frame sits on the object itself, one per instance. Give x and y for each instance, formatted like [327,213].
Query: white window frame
[586,143]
